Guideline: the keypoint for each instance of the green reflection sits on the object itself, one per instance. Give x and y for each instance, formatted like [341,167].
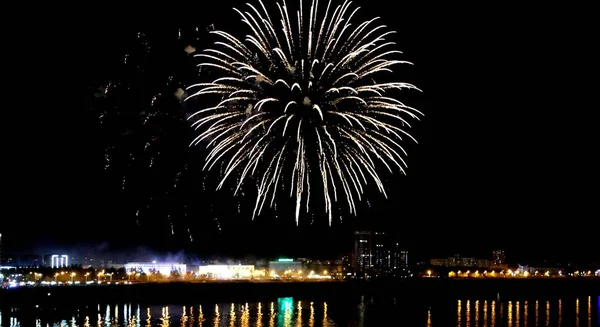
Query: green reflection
[285,310]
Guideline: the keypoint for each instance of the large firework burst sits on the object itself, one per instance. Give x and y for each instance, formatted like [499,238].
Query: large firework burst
[299,104]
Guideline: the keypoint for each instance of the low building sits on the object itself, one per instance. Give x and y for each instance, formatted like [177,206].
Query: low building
[226,271]
[459,261]
[30,260]
[540,271]
[325,267]
[164,268]
[282,265]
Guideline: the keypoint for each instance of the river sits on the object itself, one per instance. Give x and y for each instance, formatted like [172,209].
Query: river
[360,311]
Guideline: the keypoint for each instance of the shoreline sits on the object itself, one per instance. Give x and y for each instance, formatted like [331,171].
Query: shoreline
[190,292]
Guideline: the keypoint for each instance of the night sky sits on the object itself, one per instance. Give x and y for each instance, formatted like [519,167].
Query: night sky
[505,156]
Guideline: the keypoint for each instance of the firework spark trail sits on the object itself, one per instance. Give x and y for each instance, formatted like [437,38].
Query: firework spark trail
[307,89]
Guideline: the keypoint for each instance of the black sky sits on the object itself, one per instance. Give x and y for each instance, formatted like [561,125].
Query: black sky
[506,155]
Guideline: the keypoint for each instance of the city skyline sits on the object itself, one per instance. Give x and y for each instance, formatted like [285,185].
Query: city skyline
[383,249]
[503,159]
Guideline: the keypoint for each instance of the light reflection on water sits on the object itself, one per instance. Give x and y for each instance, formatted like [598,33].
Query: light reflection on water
[547,313]
[288,312]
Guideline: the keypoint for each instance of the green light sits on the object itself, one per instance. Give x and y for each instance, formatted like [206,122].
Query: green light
[285,260]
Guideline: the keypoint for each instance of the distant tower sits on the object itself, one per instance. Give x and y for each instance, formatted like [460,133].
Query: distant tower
[362,254]
[381,252]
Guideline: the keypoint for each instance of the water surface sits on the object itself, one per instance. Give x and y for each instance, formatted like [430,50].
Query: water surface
[291,312]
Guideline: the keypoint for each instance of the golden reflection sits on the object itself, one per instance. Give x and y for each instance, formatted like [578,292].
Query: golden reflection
[191,317]
[589,311]
[133,322]
[86,322]
[272,315]
[311,319]
[559,312]
[510,315]
[485,314]
[493,314]
[217,319]
[299,315]
[116,314]
[537,313]
[149,318]
[200,317]
[468,314]
[577,312]
[325,319]
[232,318]
[517,314]
[259,316]
[245,318]
[287,315]
[525,313]
[458,314]
[429,317]
[184,317]
[165,319]
[547,313]
[477,313]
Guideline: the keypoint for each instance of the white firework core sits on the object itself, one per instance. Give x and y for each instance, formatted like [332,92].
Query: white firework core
[298,104]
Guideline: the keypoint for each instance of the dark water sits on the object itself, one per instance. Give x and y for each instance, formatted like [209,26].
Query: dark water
[367,312]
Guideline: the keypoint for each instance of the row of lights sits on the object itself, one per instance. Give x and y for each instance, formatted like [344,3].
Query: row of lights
[517,273]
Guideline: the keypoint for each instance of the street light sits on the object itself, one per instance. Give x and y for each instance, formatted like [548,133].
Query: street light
[86,276]
[73,276]
[55,277]
[428,273]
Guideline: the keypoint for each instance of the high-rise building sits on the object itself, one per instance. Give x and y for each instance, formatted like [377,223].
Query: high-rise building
[381,252]
[376,251]
[362,253]
[399,258]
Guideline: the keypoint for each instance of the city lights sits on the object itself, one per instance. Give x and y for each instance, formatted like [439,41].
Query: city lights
[153,267]
[59,261]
